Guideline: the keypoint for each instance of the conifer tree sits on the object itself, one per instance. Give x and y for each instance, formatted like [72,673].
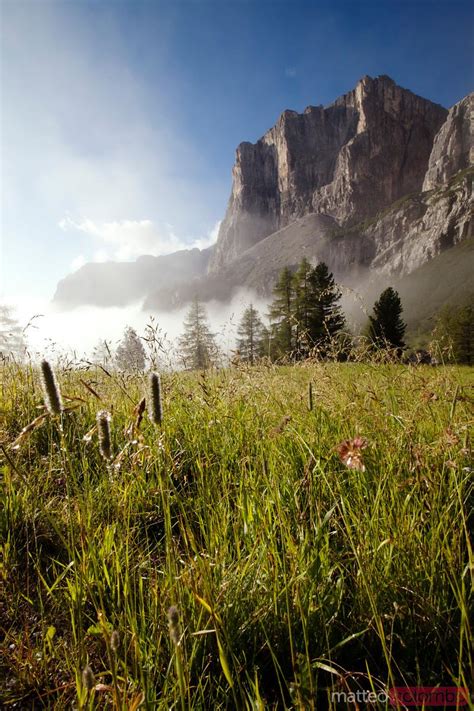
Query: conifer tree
[251,334]
[130,353]
[197,344]
[282,314]
[326,319]
[304,305]
[386,328]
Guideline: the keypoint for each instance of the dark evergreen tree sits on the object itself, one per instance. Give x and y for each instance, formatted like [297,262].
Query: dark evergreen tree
[455,327]
[386,328]
[251,335]
[197,344]
[282,315]
[130,353]
[304,306]
[326,319]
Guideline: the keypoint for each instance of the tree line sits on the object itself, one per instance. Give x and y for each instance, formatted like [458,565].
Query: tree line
[304,319]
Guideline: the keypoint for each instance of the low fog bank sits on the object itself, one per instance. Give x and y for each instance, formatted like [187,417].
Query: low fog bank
[53,332]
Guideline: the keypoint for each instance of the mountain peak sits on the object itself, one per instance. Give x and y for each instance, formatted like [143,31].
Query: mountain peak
[357,155]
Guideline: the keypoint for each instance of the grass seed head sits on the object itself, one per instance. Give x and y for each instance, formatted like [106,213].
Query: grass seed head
[51,393]
[103,431]
[115,641]
[88,678]
[155,406]
[173,624]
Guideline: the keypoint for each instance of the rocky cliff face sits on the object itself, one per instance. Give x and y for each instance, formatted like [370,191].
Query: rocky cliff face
[378,185]
[453,146]
[348,160]
[392,244]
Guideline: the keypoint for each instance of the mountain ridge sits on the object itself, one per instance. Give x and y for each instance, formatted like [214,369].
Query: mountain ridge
[376,184]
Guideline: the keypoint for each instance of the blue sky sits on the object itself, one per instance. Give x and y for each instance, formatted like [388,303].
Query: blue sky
[120,119]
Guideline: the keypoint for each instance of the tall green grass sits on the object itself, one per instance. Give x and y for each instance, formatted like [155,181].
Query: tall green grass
[290,575]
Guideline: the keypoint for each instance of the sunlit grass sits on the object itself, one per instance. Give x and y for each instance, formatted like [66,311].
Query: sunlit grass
[291,574]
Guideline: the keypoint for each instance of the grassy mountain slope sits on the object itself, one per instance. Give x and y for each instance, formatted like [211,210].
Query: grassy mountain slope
[446,279]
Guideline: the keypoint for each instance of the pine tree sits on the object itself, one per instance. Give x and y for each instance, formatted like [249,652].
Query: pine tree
[455,326]
[325,319]
[386,328]
[197,344]
[130,354]
[282,315]
[12,342]
[304,306]
[251,335]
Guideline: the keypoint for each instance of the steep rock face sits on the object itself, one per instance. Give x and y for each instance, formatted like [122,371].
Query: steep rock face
[453,146]
[347,160]
[383,249]
[341,184]
[421,226]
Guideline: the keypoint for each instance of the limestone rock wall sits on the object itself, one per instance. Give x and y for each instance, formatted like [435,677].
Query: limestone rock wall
[347,160]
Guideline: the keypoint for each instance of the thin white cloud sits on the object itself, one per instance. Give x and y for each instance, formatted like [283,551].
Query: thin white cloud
[125,240]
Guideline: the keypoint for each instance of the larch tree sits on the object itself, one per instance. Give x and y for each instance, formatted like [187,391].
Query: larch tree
[130,353]
[304,306]
[197,344]
[282,315]
[251,335]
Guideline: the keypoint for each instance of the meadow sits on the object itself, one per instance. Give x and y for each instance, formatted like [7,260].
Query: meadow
[235,556]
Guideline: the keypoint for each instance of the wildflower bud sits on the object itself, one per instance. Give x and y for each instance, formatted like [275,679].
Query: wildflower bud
[88,678]
[155,407]
[173,624]
[51,394]
[115,641]
[103,431]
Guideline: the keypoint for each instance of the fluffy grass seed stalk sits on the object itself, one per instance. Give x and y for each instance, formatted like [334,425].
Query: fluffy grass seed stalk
[51,392]
[103,431]
[155,405]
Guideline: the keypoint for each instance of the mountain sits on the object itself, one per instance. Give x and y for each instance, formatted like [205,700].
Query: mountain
[120,283]
[377,185]
[366,256]
[348,160]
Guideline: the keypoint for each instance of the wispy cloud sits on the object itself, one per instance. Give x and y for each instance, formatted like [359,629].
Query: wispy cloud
[124,240]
